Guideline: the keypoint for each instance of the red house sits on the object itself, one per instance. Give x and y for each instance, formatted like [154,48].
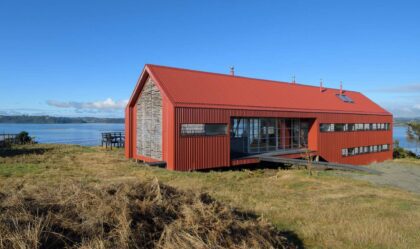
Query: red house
[198,120]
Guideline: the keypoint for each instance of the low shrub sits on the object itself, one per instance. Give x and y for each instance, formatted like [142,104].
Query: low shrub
[23,138]
[400,152]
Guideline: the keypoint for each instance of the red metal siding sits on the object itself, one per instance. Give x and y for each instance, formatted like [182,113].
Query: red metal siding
[197,97]
[168,133]
[202,152]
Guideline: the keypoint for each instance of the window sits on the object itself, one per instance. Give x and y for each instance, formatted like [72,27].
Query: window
[326,127]
[353,127]
[374,126]
[203,129]
[345,98]
[364,149]
[339,127]
[215,129]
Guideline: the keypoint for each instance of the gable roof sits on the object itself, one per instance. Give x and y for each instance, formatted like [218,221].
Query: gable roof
[186,87]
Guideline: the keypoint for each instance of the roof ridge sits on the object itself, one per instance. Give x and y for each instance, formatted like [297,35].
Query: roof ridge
[244,77]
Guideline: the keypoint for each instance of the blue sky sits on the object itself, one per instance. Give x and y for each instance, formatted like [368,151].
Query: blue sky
[82,58]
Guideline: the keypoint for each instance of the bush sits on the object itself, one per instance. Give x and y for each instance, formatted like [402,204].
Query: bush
[23,138]
[400,152]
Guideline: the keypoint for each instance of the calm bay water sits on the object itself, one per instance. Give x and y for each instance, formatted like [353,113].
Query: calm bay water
[90,134]
[82,134]
[400,134]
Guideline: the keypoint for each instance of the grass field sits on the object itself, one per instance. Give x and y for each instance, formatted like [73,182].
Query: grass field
[325,210]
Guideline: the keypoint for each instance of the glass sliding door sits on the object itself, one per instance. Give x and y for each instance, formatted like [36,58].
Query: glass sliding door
[287,133]
[254,128]
[295,133]
[272,134]
[304,131]
[260,135]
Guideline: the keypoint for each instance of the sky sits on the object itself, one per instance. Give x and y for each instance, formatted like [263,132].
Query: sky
[83,58]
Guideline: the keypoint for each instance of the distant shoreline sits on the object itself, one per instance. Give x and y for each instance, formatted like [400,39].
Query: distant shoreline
[26,119]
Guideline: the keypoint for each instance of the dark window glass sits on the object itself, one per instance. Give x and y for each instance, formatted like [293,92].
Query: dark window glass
[215,129]
[345,98]
[339,127]
[203,129]
[326,127]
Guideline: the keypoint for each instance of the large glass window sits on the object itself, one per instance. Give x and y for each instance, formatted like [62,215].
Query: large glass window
[258,135]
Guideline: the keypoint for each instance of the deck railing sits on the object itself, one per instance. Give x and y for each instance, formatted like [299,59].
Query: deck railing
[113,139]
[7,139]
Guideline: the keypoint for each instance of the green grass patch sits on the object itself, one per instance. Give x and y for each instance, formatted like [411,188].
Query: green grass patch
[20,169]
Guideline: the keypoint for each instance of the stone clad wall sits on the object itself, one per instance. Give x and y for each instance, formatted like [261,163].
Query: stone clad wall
[149,121]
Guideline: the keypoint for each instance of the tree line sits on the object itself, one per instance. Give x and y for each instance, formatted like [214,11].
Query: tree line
[27,119]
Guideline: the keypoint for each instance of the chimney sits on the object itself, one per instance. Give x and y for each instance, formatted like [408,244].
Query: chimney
[232,71]
[341,88]
[320,86]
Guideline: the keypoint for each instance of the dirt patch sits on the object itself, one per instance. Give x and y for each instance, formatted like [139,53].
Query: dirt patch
[127,215]
[396,174]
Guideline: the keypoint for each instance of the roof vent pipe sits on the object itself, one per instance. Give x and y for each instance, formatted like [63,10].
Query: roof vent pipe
[294,79]
[341,88]
[320,86]
[232,70]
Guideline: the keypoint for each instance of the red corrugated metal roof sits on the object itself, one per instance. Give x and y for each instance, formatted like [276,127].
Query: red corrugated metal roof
[196,88]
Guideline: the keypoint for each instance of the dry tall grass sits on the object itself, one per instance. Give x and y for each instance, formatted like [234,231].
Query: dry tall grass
[324,210]
[125,215]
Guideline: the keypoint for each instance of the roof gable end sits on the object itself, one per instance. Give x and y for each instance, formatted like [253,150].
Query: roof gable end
[146,73]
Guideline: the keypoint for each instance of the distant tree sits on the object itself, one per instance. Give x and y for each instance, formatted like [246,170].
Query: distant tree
[23,138]
[413,133]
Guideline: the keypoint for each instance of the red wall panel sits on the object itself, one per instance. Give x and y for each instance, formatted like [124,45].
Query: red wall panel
[202,152]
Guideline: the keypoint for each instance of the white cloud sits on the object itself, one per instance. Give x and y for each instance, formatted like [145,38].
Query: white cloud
[403,109]
[404,88]
[103,105]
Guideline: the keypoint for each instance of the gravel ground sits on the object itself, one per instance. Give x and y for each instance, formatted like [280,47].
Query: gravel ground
[405,175]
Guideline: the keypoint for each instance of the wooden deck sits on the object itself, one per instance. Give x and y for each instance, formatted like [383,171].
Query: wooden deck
[317,164]
[278,153]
